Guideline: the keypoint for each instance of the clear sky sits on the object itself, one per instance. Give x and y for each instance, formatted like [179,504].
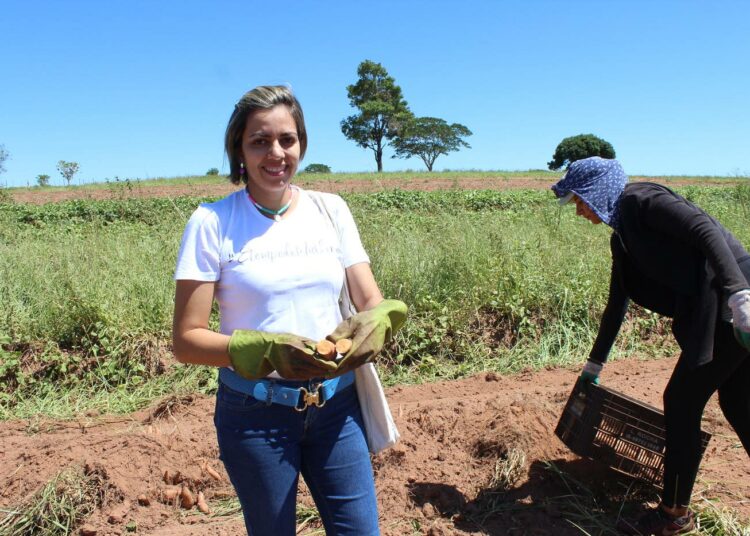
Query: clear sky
[144,88]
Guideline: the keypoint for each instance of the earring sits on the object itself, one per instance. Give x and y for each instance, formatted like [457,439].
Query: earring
[242,169]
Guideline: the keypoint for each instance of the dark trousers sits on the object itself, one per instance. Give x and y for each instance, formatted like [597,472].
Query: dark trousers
[685,398]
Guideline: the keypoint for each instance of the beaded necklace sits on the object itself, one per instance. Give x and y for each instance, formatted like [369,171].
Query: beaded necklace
[275,214]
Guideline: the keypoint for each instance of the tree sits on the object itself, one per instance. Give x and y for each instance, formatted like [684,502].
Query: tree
[212,171]
[579,147]
[381,107]
[428,138]
[42,180]
[317,168]
[67,170]
[4,155]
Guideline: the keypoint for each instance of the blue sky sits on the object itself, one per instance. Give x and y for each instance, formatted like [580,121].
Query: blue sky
[143,88]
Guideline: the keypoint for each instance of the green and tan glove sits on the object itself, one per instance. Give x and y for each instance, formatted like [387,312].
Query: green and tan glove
[255,354]
[369,331]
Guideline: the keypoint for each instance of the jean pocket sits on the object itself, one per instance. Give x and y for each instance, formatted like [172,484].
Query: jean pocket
[232,400]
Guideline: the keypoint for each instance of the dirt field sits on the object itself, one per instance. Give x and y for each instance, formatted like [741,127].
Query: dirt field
[439,480]
[223,187]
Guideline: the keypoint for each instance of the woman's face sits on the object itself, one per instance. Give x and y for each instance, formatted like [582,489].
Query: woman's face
[583,210]
[270,151]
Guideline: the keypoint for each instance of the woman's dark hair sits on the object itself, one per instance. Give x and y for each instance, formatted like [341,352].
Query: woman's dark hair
[260,98]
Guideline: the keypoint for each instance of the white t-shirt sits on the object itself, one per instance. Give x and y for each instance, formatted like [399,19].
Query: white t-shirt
[279,277]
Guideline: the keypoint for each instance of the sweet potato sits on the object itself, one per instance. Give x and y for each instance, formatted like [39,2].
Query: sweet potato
[343,346]
[186,498]
[202,504]
[212,472]
[326,349]
[169,495]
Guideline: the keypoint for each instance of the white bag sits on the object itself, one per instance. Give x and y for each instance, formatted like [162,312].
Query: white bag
[379,425]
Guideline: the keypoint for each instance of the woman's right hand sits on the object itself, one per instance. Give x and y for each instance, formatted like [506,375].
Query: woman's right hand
[255,354]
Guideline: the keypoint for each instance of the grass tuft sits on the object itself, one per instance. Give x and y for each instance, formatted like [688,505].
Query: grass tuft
[59,507]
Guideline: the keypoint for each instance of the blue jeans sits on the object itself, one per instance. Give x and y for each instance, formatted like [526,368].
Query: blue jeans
[265,448]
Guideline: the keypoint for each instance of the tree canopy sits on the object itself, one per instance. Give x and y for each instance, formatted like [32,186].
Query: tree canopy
[578,147]
[381,106]
[317,168]
[428,138]
[67,170]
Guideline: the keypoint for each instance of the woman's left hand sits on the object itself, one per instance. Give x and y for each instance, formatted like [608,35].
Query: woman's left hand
[369,331]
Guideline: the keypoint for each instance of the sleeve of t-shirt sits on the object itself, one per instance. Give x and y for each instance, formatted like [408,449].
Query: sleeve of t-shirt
[352,250]
[198,258]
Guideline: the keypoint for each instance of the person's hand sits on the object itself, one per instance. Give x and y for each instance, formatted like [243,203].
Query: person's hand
[739,303]
[255,354]
[369,331]
[590,372]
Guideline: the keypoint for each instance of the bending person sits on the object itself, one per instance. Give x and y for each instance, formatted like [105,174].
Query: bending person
[275,257]
[672,258]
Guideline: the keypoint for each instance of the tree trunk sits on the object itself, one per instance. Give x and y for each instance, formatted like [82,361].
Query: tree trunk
[379,159]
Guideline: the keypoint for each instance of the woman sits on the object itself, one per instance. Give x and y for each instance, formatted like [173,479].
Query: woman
[274,257]
[672,258]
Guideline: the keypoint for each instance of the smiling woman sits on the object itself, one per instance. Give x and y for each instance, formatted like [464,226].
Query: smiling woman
[276,257]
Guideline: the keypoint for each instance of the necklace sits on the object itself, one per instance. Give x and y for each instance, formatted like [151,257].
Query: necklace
[275,214]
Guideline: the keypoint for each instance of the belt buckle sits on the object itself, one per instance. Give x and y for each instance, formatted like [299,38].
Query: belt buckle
[311,398]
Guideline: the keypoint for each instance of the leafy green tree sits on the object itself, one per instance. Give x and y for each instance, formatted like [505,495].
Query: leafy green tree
[4,155]
[67,170]
[212,171]
[578,147]
[42,180]
[317,168]
[381,106]
[428,138]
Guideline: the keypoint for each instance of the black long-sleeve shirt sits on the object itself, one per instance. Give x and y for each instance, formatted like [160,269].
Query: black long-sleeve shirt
[672,258]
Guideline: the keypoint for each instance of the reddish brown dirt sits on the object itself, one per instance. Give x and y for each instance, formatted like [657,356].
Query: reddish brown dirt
[334,185]
[435,481]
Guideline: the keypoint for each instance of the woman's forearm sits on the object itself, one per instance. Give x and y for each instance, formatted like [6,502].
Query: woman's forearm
[200,346]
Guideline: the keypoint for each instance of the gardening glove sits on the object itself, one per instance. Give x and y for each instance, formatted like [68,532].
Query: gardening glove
[369,331]
[255,354]
[590,372]
[739,303]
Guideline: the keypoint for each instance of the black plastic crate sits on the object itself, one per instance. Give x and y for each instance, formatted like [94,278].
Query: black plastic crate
[617,430]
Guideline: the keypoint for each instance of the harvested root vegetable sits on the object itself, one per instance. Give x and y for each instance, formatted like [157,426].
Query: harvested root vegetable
[186,498]
[202,504]
[326,349]
[212,473]
[169,495]
[343,346]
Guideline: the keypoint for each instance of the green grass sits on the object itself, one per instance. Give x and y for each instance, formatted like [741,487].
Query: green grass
[57,508]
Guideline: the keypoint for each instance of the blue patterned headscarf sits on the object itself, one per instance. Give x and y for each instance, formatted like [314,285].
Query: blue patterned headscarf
[598,182]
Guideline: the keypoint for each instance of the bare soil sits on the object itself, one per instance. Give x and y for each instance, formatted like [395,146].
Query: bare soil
[223,187]
[437,481]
